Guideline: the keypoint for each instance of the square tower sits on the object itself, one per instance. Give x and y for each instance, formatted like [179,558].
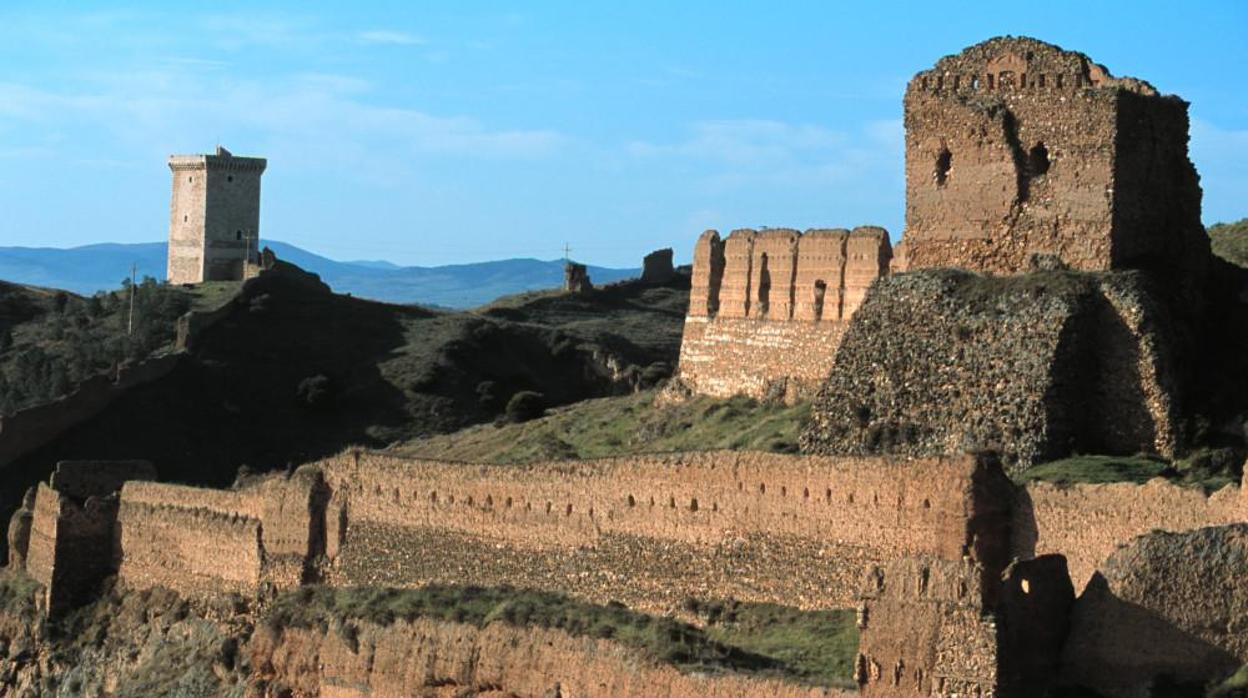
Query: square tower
[214,216]
[1016,148]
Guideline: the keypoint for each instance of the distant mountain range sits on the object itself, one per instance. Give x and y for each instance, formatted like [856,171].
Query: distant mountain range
[93,268]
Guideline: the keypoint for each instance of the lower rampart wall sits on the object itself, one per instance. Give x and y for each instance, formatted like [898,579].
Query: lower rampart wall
[1086,523]
[723,356]
[647,530]
[191,540]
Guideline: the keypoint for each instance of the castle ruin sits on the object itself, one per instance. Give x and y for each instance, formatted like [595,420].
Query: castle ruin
[214,217]
[1016,148]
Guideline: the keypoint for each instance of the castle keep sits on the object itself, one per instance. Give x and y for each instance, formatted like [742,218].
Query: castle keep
[214,216]
[1016,148]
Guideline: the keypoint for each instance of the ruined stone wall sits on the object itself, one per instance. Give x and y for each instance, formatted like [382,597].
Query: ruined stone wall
[194,541]
[70,547]
[723,357]
[1086,523]
[1016,148]
[409,658]
[933,627]
[767,308]
[1167,605]
[1035,366]
[925,631]
[759,527]
[81,479]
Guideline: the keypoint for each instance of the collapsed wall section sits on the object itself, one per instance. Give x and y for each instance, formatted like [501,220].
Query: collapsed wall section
[768,308]
[1035,366]
[758,527]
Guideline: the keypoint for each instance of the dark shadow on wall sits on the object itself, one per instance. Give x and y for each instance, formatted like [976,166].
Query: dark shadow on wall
[1118,647]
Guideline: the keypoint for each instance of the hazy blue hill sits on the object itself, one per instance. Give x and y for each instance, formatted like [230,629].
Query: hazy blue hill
[96,267]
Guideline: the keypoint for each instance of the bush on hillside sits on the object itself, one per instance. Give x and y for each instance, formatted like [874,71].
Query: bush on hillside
[525,405]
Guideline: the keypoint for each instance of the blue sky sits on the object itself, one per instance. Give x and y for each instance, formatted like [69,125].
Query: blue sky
[428,133]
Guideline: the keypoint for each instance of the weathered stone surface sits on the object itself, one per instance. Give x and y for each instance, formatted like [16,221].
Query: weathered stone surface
[1035,367]
[1168,606]
[767,308]
[1017,148]
[214,217]
[430,658]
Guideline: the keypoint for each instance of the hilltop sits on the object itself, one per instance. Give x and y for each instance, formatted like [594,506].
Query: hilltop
[86,270]
[291,371]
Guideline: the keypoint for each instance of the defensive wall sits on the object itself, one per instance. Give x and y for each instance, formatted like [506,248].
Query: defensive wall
[922,546]
[750,526]
[768,308]
[200,542]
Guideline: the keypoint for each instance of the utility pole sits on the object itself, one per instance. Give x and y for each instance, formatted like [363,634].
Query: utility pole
[134,268]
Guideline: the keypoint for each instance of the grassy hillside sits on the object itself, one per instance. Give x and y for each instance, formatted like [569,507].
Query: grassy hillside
[1230,241]
[51,340]
[295,372]
[811,646]
[622,425]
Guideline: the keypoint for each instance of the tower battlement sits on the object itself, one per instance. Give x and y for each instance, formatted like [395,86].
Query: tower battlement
[214,216]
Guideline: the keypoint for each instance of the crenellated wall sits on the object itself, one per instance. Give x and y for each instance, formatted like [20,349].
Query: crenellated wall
[767,308]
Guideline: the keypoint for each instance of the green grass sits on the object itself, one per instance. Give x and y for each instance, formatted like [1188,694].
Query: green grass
[17,593]
[770,640]
[818,645]
[1209,469]
[1235,686]
[625,425]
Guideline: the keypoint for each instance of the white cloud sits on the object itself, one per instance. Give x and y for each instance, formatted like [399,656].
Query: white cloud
[383,36]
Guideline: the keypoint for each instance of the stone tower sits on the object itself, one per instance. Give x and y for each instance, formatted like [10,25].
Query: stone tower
[1017,150]
[214,216]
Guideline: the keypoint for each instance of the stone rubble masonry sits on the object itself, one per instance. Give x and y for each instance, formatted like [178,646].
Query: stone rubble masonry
[960,627]
[214,216]
[418,657]
[1036,367]
[200,542]
[1167,604]
[767,308]
[68,546]
[860,510]
[1016,148]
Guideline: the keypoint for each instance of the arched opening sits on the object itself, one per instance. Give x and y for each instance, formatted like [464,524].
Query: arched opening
[821,289]
[944,163]
[764,285]
[1038,160]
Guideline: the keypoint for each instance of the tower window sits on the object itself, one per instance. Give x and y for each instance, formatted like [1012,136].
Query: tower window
[1038,160]
[190,179]
[944,162]
[185,218]
[229,178]
[238,235]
